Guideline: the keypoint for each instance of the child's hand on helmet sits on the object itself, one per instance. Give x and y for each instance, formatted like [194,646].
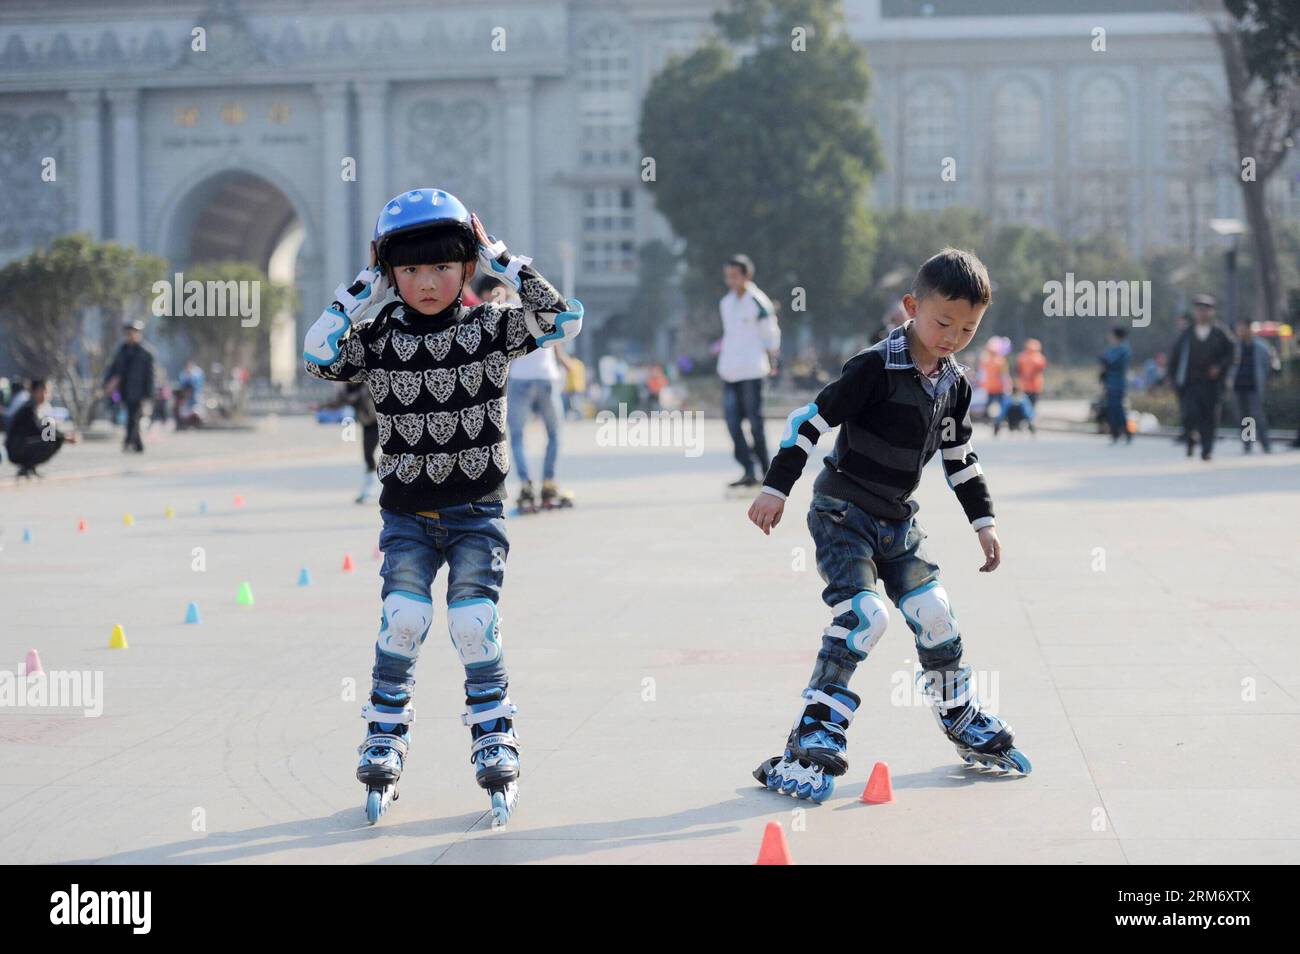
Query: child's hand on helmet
[494,259]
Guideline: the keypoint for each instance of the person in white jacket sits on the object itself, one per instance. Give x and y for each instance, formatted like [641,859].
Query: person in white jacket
[750,339]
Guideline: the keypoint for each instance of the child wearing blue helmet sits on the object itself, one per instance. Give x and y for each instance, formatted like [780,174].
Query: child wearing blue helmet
[437,372]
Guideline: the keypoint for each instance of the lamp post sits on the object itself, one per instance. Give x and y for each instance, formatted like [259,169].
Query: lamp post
[1231,229]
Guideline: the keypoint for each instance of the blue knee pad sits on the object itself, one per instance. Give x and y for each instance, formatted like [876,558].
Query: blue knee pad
[475,631]
[404,624]
[872,615]
[929,615]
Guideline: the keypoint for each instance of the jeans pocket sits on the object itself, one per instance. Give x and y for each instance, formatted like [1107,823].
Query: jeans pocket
[831,508]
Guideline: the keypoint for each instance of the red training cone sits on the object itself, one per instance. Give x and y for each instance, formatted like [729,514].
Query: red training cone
[347,563]
[879,789]
[774,850]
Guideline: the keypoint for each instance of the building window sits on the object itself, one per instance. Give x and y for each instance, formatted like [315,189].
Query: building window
[921,198]
[1017,123]
[1189,119]
[1020,203]
[929,126]
[608,231]
[1103,120]
[605,103]
[1189,206]
[1102,207]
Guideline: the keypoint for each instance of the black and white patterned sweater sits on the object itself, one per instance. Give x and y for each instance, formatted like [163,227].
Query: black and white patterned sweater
[439,386]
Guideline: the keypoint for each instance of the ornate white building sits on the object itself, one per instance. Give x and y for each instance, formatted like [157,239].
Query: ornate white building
[239,146]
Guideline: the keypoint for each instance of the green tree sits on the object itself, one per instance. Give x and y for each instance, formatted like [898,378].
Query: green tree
[225,336]
[61,309]
[766,151]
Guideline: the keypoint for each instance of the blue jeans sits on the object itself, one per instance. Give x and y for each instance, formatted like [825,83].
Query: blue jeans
[523,398]
[857,551]
[743,401]
[471,540]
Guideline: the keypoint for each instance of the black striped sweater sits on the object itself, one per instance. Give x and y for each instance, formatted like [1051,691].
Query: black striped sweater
[439,386]
[891,425]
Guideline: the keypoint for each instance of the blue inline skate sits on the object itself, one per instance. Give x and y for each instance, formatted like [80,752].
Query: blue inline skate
[383,753]
[981,738]
[814,753]
[495,749]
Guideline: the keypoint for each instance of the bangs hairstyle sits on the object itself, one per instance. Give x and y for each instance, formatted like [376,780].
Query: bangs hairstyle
[431,247]
[955,275]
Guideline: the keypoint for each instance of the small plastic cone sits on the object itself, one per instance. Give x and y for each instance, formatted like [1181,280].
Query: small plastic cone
[192,613]
[168,512]
[879,789]
[128,520]
[27,535]
[118,639]
[774,850]
[239,500]
[33,662]
[304,578]
[81,525]
[245,597]
[203,506]
[347,563]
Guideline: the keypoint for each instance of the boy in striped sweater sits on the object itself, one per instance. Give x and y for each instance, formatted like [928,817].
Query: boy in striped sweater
[437,372]
[896,404]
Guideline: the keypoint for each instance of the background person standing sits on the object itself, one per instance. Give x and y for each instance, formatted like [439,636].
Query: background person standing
[1201,358]
[131,374]
[751,337]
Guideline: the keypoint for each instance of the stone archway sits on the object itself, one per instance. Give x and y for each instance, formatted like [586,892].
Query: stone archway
[234,214]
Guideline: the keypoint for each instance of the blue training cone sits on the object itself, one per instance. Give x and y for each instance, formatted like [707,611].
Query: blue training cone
[203,506]
[27,535]
[192,613]
[304,578]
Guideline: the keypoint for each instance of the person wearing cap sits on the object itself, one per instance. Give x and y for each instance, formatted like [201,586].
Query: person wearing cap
[131,374]
[1201,359]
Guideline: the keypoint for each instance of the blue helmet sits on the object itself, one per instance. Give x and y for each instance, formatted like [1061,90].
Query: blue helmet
[418,210]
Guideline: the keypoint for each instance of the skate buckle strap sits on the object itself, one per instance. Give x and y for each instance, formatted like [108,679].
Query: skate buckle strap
[816,695]
[494,738]
[371,714]
[504,709]
[387,739]
[966,719]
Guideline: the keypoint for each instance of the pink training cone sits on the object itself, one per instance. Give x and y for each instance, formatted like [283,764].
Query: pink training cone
[347,563]
[33,662]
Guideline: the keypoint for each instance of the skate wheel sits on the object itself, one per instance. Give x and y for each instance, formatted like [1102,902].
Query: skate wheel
[1017,758]
[374,805]
[503,803]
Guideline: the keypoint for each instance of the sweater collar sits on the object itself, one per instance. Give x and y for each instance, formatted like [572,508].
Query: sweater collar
[899,358]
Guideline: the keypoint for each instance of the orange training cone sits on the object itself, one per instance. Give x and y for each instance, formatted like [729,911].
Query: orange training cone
[879,789]
[347,563]
[239,500]
[81,525]
[774,850]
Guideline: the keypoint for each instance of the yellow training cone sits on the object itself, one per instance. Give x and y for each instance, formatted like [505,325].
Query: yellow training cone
[245,597]
[118,639]
[128,519]
[169,512]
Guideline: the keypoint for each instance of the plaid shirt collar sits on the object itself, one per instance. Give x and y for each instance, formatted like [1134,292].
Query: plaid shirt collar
[898,358]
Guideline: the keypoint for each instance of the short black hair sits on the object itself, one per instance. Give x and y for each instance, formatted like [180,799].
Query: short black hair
[36,383]
[1120,332]
[430,247]
[956,275]
[742,262]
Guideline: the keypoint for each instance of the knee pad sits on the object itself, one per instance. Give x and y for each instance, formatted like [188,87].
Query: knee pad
[873,616]
[405,623]
[475,631]
[929,615]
